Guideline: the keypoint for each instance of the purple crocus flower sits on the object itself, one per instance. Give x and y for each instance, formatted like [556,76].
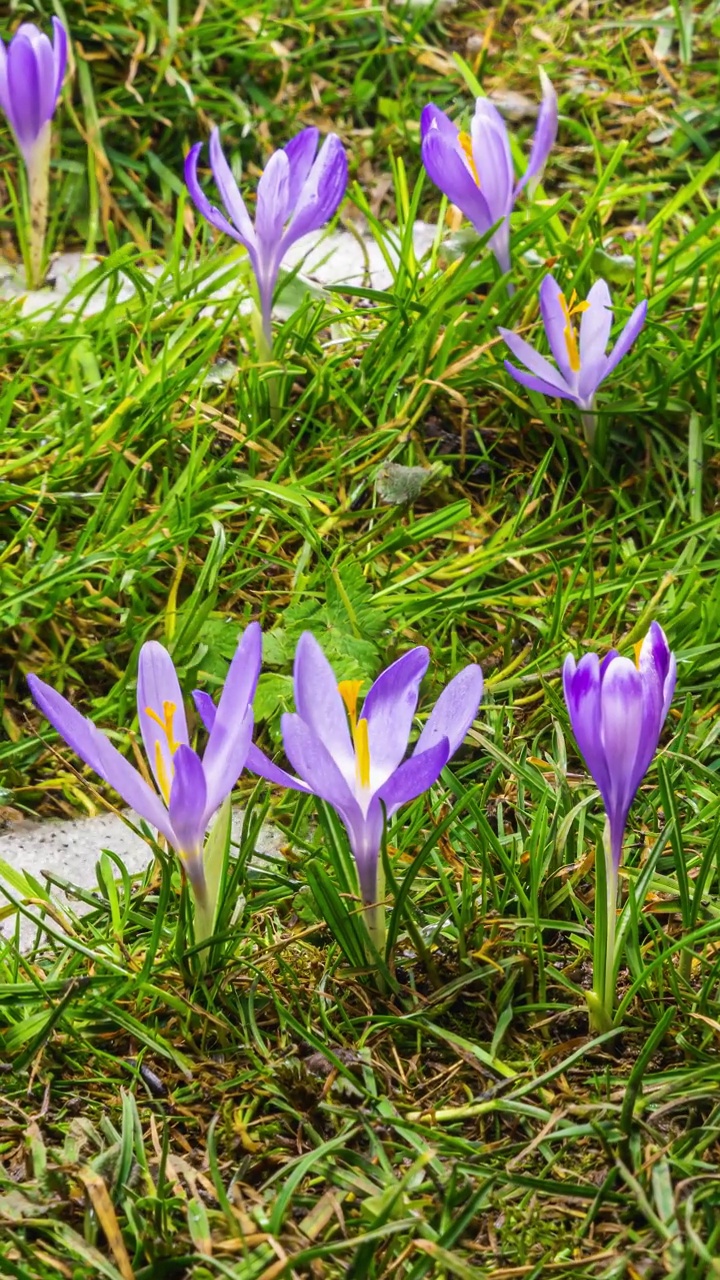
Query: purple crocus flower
[617,710]
[31,76]
[298,192]
[190,787]
[356,761]
[475,170]
[581,359]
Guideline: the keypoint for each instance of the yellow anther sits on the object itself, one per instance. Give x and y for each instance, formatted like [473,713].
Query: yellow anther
[349,691]
[638,650]
[569,331]
[161,773]
[362,753]
[166,723]
[466,144]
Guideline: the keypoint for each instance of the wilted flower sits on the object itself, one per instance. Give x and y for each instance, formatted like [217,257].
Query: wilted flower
[582,362]
[297,193]
[355,760]
[31,76]
[190,787]
[475,170]
[617,709]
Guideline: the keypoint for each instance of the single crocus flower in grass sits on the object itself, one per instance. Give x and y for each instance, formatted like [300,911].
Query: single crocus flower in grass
[31,76]
[617,709]
[582,362]
[189,787]
[475,170]
[355,758]
[299,191]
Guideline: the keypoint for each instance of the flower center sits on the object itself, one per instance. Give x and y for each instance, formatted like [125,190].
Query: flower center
[466,146]
[349,691]
[166,725]
[569,310]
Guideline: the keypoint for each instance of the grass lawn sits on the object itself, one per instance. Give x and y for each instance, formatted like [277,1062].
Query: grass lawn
[290,1112]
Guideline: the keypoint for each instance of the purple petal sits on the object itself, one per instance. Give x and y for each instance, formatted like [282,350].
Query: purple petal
[160,711]
[414,776]
[555,322]
[453,712]
[448,170]
[365,835]
[627,337]
[311,759]
[321,193]
[205,708]
[272,203]
[201,202]
[538,384]
[60,51]
[45,64]
[99,753]
[493,161]
[228,188]
[319,704]
[622,722]
[433,118]
[258,762]
[545,134]
[595,325]
[24,91]
[537,364]
[301,151]
[226,752]
[389,709]
[188,802]
[582,688]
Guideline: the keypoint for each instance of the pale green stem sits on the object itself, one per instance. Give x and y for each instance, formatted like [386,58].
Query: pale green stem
[38,171]
[589,426]
[374,915]
[601,1000]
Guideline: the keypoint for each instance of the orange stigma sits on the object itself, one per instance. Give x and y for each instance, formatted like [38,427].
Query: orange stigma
[466,146]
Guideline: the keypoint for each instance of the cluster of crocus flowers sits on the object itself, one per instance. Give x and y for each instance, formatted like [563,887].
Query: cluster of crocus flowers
[189,788]
[31,77]
[299,191]
[475,170]
[617,710]
[356,759]
[580,349]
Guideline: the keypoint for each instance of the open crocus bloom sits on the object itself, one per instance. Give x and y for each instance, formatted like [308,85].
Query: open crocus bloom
[475,170]
[355,760]
[190,788]
[581,359]
[31,76]
[298,192]
[617,710]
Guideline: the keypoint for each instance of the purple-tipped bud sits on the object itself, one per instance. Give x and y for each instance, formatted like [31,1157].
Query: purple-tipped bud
[31,76]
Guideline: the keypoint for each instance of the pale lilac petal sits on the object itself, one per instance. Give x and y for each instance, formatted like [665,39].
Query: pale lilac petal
[201,202]
[205,708]
[4,103]
[433,118]
[582,688]
[321,193]
[311,759]
[448,170]
[301,151]
[365,834]
[545,134]
[538,384]
[414,776]
[99,753]
[159,698]
[537,364]
[259,763]
[188,802]
[555,322]
[228,188]
[319,704]
[627,337]
[493,161]
[231,745]
[389,709]
[223,753]
[595,325]
[272,208]
[621,727]
[453,712]
[60,52]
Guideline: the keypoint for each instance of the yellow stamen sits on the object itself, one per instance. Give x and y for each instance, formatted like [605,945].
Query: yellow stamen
[574,308]
[638,648]
[349,691]
[362,753]
[161,773]
[166,724]
[466,144]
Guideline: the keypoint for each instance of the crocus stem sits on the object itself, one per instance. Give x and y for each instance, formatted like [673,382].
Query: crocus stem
[374,914]
[601,999]
[589,426]
[38,171]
